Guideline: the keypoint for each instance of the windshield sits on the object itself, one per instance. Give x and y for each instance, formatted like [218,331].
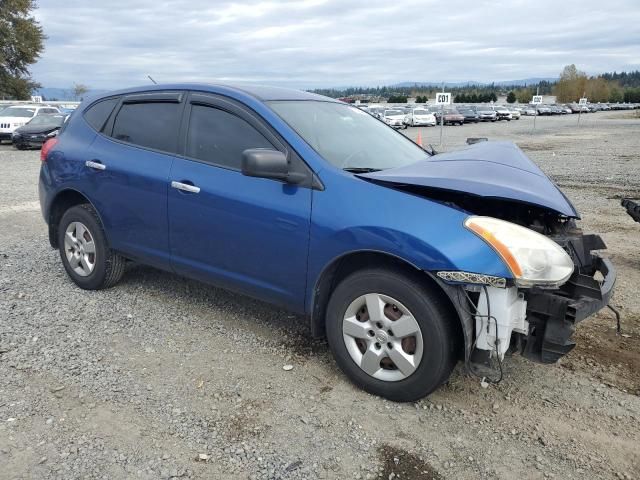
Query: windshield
[392,113]
[18,112]
[53,120]
[347,137]
[420,112]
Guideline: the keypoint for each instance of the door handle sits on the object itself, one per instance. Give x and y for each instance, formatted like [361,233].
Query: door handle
[95,165]
[185,187]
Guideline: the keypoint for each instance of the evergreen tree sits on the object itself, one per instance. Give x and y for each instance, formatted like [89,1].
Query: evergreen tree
[21,41]
[511,97]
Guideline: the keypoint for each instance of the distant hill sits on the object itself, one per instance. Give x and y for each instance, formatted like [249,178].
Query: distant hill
[62,94]
[521,82]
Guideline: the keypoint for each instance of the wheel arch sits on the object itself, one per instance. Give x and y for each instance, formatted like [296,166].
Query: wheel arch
[350,262]
[63,201]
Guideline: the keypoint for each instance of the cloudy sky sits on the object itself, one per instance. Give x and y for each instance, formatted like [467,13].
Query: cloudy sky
[306,44]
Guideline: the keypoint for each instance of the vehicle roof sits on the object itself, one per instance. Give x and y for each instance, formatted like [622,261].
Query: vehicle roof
[259,92]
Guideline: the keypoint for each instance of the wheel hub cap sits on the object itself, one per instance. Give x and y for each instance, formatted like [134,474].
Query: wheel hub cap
[382,337]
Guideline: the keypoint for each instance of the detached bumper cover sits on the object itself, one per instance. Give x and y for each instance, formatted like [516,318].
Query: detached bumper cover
[633,208]
[553,314]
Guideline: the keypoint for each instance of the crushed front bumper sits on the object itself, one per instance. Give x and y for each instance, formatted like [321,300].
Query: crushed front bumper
[553,314]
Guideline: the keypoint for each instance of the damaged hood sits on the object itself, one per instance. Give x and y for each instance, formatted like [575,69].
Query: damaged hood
[487,169]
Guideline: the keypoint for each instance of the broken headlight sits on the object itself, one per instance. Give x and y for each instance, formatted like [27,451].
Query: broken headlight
[532,258]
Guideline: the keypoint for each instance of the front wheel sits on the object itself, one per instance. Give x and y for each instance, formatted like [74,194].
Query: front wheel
[391,334]
[84,251]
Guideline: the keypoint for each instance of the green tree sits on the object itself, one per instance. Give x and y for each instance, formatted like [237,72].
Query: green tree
[616,95]
[524,95]
[21,41]
[511,97]
[397,99]
[571,85]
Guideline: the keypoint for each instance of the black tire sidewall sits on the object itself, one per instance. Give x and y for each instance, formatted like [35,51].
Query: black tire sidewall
[438,346]
[83,214]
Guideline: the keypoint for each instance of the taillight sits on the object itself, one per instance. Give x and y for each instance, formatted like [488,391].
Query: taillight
[46,148]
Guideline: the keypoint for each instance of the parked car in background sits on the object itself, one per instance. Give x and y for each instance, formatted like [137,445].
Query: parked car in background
[407,262]
[18,115]
[419,117]
[566,109]
[543,109]
[503,112]
[394,118]
[529,110]
[37,131]
[576,108]
[469,114]
[515,113]
[450,116]
[486,113]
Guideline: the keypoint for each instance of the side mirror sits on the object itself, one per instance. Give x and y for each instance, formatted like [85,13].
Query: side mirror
[265,163]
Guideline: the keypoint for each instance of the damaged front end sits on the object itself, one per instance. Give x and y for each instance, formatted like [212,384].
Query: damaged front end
[536,322]
[559,279]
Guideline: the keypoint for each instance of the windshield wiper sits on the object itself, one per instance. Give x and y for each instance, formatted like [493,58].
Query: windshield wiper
[361,169]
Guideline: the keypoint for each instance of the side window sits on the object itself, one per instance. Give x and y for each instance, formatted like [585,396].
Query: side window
[98,114]
[219,137]
[150,124]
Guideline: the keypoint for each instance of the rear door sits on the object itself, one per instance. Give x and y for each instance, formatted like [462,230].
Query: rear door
[243,233]
[129,165]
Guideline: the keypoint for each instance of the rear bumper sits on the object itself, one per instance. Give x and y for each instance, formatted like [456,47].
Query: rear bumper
[554,314]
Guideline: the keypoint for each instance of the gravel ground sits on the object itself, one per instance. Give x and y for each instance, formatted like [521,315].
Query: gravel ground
[162,377]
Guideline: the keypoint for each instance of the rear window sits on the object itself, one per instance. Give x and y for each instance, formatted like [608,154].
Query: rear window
[150,125]
[98,114]
[19,112]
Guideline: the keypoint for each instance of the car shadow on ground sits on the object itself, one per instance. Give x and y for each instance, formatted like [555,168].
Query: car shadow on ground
[268,318]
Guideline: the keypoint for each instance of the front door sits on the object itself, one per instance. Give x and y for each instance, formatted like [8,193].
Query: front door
[243,233]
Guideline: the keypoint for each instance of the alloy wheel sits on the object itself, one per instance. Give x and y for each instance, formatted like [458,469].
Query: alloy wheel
[80,249]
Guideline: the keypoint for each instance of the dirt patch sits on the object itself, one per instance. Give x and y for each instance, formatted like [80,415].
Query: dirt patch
[536,147]
[398,464]
[614,359]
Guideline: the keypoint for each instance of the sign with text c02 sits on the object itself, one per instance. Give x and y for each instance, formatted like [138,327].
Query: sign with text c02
[537,99]
[582,101]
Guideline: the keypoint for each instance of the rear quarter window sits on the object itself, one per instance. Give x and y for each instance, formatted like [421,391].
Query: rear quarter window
[98,113]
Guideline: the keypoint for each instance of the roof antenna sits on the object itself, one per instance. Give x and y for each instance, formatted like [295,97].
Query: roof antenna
[152,79]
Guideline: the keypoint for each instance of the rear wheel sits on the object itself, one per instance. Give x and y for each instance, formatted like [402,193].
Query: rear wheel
[84,251]
[390,334]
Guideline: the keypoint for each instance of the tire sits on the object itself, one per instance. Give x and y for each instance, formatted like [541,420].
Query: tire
[108,266]
[437,345]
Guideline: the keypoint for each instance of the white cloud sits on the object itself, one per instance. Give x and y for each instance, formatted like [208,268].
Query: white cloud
[116,43]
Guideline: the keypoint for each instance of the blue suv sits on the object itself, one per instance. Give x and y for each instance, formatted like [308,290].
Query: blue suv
[407,260]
